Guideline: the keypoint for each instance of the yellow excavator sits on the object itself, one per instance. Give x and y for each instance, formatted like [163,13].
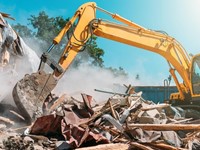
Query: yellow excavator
[31,91]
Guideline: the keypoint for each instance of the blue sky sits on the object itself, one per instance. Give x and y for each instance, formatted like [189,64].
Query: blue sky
[179,18]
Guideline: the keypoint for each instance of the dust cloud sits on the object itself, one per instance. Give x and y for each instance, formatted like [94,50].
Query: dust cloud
[15,70]
[75,81]
[86,78]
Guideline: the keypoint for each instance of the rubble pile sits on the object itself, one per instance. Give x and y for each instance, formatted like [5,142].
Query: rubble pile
[126,121]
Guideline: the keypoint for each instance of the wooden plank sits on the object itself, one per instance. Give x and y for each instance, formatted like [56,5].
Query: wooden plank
[6,120]
[165,127]
[118,146]
[140,146]
[57,102]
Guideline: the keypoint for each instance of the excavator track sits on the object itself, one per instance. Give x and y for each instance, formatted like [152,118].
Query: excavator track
[30,92]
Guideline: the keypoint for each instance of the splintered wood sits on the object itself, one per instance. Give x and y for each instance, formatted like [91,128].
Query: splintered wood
[6,120]
[165,127]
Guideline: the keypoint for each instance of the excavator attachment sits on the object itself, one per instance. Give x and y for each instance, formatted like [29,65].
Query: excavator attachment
[30,93]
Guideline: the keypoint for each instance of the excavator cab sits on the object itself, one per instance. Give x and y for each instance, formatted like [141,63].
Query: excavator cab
[195,75]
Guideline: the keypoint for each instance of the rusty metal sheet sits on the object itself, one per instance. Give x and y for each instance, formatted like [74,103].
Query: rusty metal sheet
[87,99]
[47,125]
[74,116]
[55,126]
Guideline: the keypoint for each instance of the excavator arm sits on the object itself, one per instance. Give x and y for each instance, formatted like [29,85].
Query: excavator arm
[124,31]
[128,33]
[153,41]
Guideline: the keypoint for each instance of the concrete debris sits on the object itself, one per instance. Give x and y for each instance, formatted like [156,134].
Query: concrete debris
[9,41]
[121,122]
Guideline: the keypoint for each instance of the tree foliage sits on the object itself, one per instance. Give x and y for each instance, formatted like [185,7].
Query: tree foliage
[96,53]
[118,72]
[45,27]
[23,30]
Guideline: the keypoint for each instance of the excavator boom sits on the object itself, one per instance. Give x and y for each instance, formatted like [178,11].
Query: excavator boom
[87,25]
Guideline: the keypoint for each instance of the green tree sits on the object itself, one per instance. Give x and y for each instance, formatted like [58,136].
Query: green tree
[118,71]
[95,52]
[45,27]
[22,30]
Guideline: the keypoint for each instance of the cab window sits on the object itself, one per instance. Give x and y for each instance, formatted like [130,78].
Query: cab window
[196,75]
